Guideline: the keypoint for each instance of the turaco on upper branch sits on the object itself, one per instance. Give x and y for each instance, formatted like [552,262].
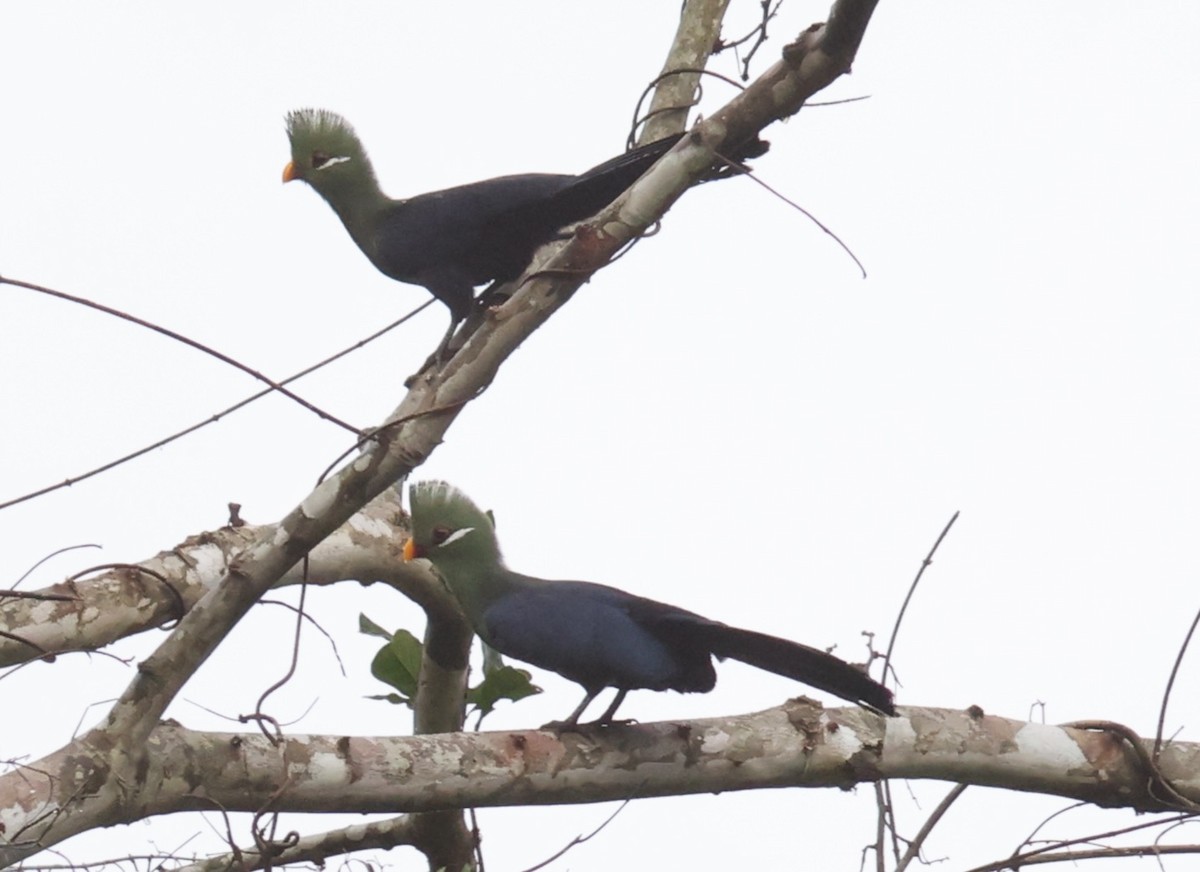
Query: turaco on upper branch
[452,241]
[595,635]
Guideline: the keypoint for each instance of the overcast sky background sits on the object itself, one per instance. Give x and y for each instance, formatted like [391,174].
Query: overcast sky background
[730,418]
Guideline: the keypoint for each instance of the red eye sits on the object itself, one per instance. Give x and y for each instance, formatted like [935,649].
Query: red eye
[440,535]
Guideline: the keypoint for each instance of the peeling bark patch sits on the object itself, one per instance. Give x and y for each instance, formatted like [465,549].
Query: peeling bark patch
[345,751]
[1103,751]
[83,777]
[991,735]
[321,500]
[805,715]
[1053,744]
[715,742]
[372,527]
[208,561]
[845,742]
[327,769]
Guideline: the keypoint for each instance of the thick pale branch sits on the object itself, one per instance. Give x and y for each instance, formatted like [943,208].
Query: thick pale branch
[123,602]
[675,94]
[797,745]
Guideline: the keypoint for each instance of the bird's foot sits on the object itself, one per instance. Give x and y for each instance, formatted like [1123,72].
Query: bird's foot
[569,726]
[430,363]
[439,358]
[560,727]
[613,722]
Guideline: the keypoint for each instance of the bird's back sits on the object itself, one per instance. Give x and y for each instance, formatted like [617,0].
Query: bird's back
[595,635]
[479,232]
[455,240]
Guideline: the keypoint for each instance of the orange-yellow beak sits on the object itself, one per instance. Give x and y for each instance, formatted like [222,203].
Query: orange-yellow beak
[410,550]
[289,172]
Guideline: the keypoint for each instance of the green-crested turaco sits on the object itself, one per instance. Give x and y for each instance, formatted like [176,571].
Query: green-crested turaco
[452,241]
[600,636]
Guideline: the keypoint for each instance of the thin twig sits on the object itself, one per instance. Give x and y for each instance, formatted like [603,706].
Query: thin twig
[179,337]
[1162,711]
[291,670]
[912,588]
[1017,859]
[639,119]
[212,419]
[809,215]
[1076,856]
[55,553]
[579,840]
[768,12]
[914,847]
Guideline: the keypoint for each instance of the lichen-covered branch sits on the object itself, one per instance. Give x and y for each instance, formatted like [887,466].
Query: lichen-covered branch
[144,596]
[796,745]
[675,93]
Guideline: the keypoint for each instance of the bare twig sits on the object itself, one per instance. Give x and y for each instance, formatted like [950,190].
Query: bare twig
[758,34]
[179,337]
[912,588]
[214,418]
[654,112]
[1075,856]
[809,215]
[30,570]
[1162,711]
[914,847]
[295,659]
[579,840]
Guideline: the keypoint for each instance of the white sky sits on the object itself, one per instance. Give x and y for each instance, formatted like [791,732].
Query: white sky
[729,418]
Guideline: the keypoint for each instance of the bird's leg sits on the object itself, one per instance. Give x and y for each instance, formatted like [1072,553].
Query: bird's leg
[571,724]
[440,355]
[606,719]
[471,318]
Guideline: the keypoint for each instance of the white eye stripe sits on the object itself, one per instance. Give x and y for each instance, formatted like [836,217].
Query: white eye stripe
[333,161]
[455,536]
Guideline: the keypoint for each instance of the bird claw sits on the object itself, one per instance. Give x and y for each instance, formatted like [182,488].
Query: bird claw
[560,727]
[614,722]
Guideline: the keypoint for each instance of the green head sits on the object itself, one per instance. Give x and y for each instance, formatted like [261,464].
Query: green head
[326,153]
[457,536]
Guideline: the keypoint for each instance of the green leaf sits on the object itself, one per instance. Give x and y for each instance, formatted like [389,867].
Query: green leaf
[398,663]
[503,682]
[394,698]
[369,628]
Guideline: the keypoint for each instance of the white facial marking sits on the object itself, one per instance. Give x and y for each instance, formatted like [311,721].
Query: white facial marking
[456,535]
[333,161]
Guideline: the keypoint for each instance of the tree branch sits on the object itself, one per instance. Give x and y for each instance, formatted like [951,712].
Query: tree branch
[796,745]
[675,93]
[315,848]
[98,611]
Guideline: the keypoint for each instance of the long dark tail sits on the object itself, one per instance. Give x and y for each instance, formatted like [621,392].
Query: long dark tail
[596,188]
[793,660]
